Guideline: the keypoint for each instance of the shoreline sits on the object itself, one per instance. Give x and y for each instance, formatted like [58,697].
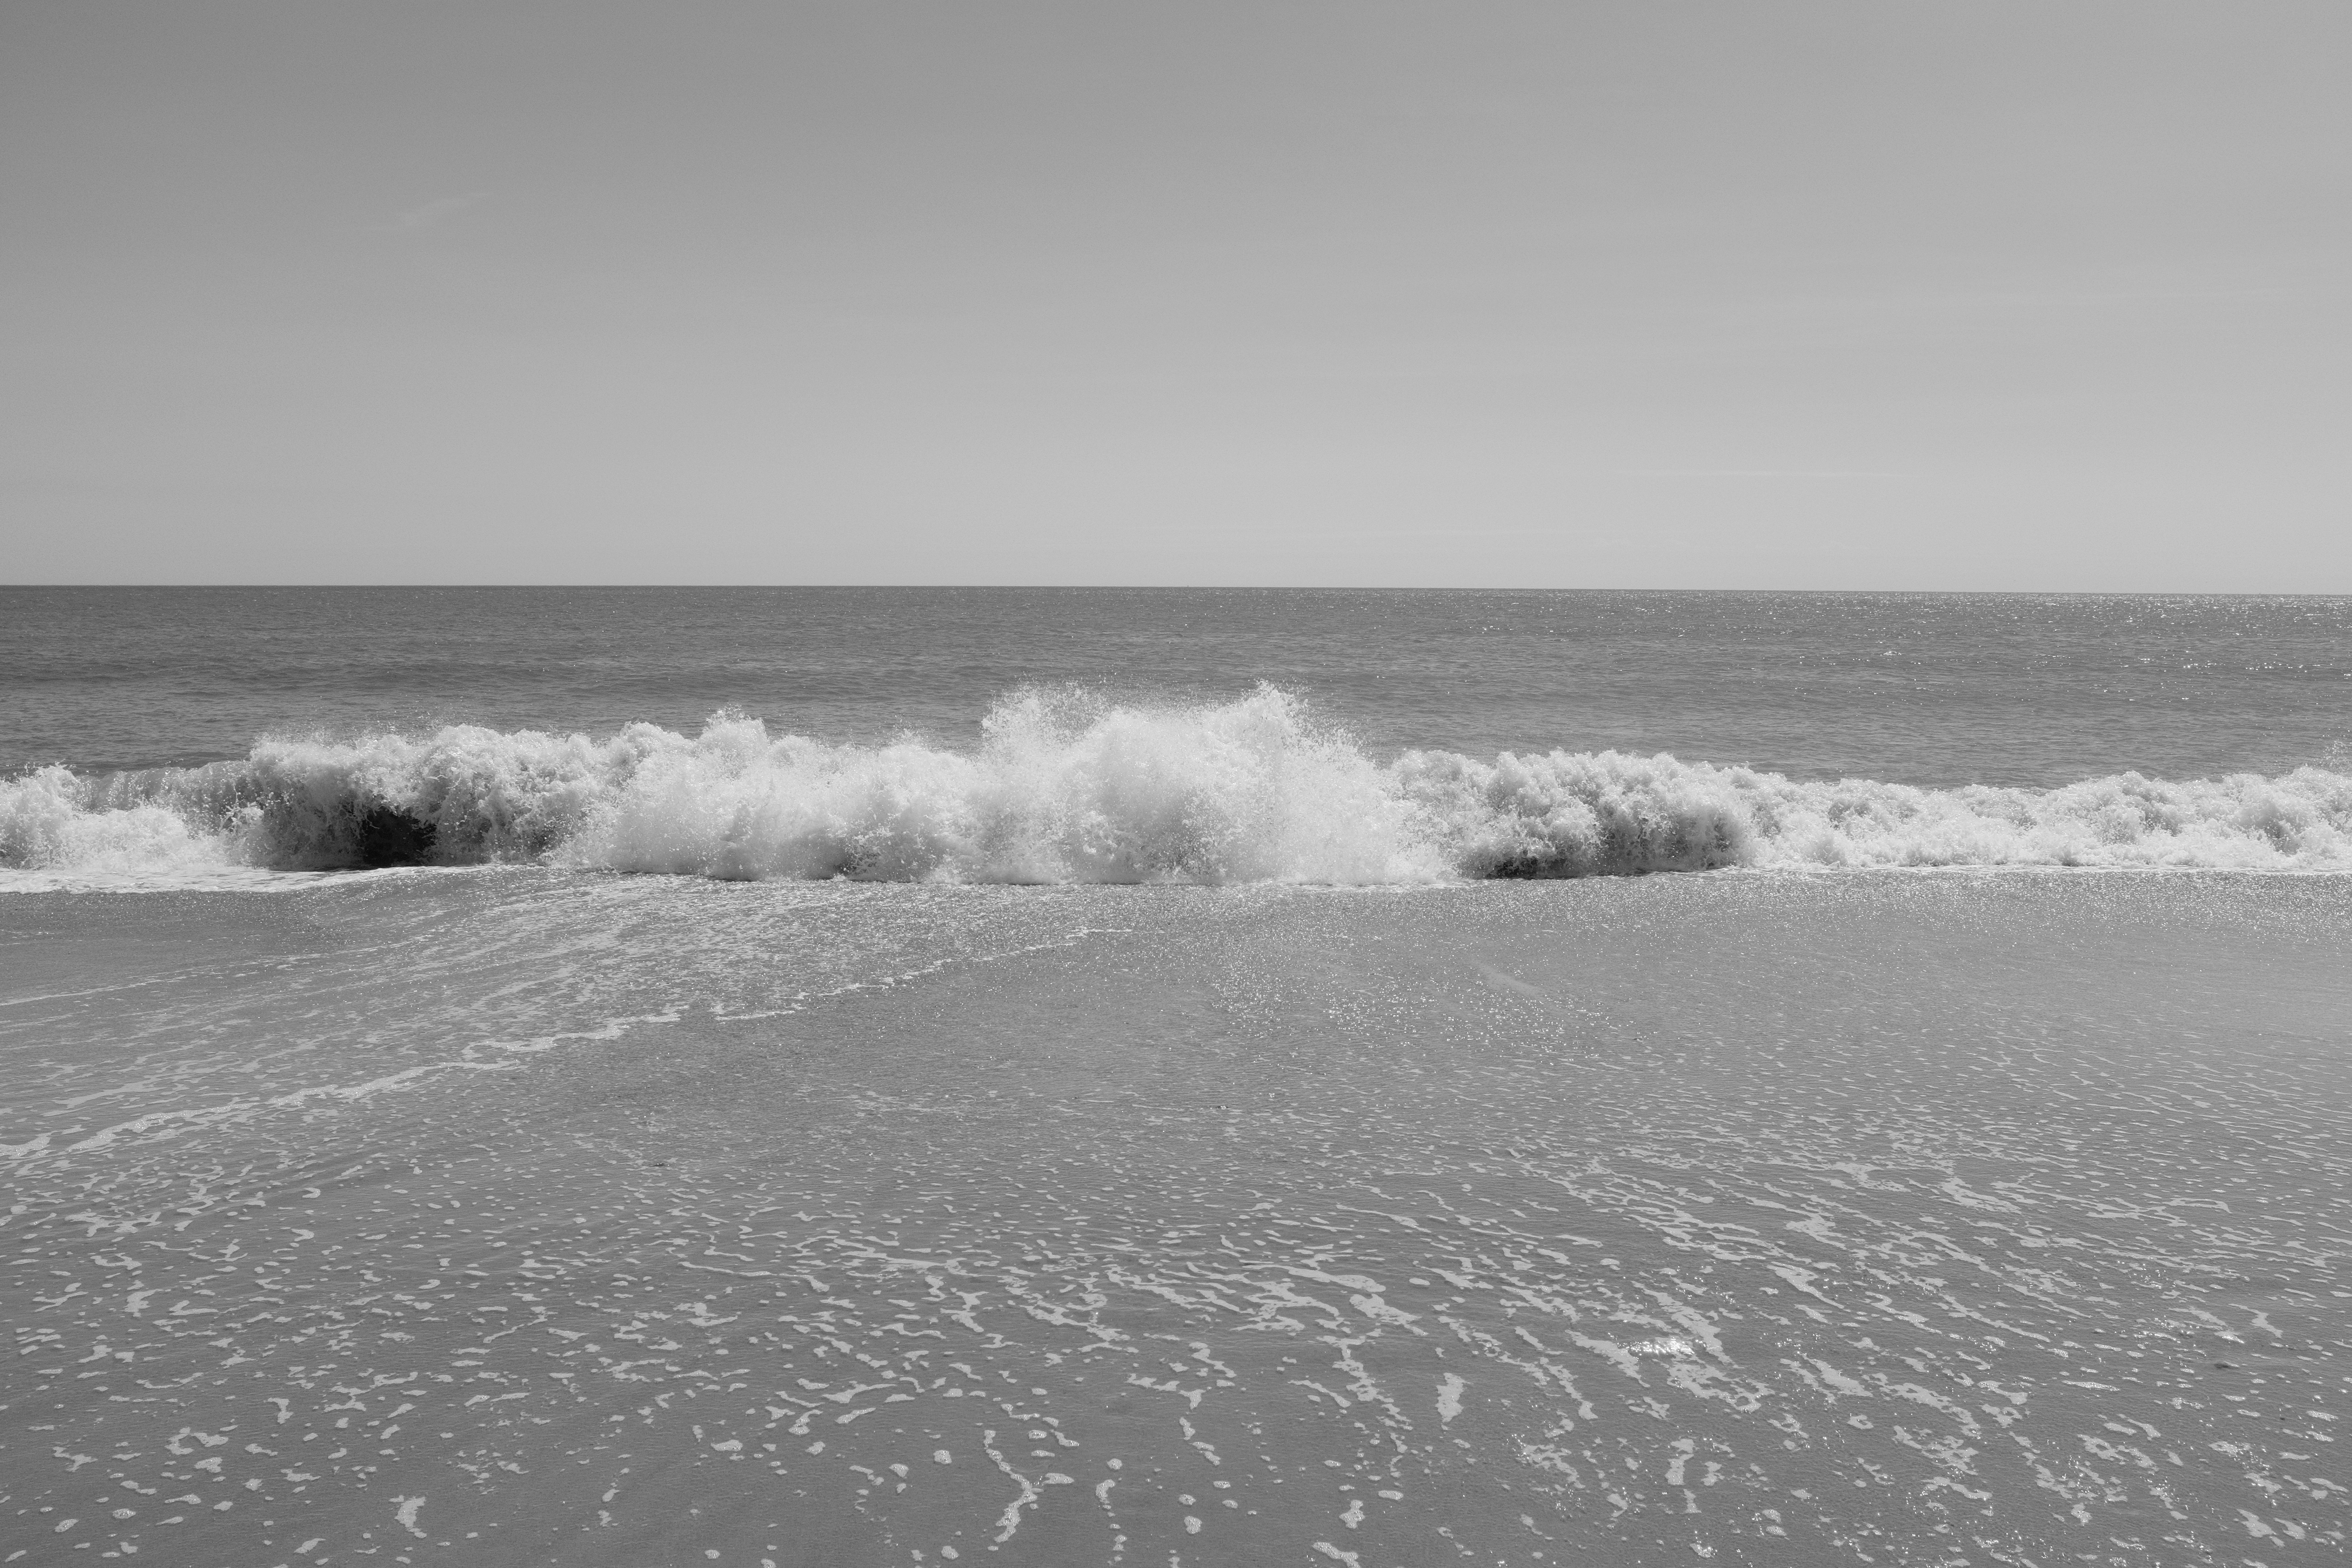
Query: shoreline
[1631,1204]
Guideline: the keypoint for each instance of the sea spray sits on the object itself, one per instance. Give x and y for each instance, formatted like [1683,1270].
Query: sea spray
[1062,789]
[1067,787]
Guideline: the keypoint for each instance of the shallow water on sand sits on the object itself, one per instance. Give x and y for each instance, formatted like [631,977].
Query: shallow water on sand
[510,1215]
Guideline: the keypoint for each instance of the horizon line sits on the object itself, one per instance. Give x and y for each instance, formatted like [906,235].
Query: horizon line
[1173,588]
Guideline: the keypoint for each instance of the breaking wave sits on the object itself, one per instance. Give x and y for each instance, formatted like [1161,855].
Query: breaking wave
[1067,788]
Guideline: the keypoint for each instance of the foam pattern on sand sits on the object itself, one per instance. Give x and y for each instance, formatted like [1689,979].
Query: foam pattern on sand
[1065,787]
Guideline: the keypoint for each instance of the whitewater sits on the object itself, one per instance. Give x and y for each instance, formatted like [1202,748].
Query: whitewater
[1066,786]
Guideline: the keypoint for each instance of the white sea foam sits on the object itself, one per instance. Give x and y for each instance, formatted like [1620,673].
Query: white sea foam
[1064,788]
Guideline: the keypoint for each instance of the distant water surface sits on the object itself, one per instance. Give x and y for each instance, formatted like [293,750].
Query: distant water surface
[1931,689]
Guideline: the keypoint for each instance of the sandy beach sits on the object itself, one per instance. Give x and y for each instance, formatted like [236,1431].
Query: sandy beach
[1892,1218]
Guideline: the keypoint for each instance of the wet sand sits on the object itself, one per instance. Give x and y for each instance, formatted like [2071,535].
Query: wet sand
[510,1218]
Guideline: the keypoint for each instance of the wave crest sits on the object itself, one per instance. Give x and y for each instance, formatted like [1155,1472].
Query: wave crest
[1065,787]
[1062,788]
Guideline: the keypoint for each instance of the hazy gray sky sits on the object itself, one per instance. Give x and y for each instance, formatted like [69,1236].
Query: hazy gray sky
[2039,295]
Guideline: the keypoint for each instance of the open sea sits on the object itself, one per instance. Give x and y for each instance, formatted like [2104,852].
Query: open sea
[796,1077]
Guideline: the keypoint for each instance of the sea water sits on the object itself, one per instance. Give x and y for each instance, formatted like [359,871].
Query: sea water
[1086,1076]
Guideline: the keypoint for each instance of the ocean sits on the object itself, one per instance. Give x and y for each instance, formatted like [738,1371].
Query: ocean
[862,1076]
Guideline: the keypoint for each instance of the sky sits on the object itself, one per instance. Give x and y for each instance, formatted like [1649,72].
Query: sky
[2046,296]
